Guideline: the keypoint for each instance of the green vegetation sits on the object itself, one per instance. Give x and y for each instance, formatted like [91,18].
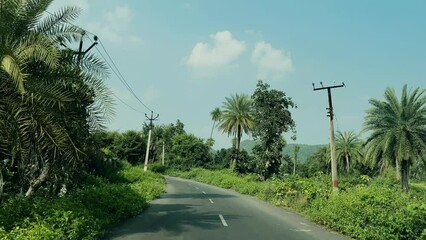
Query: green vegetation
[215,114]
[57,181]
[398,129]
[51,100]
[62,175]
[272,118]
[364,208]
[236,117]
[305,151]
[84,213]
[348,149]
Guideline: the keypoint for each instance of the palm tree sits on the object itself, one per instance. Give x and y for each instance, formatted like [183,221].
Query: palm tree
[215,114]
[398,130]
[237,117]
[47,110]
[348,147]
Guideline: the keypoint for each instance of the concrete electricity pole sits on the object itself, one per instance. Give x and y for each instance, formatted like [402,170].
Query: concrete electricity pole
[145,166]
[162,156]
[80,53]
[334,178]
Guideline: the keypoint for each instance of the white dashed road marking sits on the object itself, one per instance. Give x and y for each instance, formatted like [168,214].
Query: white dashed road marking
[223,220]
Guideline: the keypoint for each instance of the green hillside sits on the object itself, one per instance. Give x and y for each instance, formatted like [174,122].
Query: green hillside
[305,150]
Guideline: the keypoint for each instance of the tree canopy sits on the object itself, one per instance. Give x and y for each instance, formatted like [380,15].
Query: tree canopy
[272,118]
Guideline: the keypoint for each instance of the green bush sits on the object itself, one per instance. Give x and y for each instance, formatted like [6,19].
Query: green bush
[158,168]
[84,213]
[371,213]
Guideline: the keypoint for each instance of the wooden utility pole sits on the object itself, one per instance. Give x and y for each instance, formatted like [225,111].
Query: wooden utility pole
[334,178]
[145,166]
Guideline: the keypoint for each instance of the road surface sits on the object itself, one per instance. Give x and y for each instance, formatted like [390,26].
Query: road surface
[191,210]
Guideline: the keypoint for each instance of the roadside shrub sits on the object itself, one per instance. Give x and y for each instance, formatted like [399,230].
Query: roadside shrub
[158,168]
[84,213]
[371,213]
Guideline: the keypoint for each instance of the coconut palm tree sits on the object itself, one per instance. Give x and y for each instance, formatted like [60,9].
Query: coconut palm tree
[237,117]
[348,147]
[215,114]
[398,130]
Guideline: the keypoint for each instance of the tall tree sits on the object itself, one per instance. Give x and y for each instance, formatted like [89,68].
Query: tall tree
[237,118]
[348,147]
[272,118]
[215,114]
[398,129]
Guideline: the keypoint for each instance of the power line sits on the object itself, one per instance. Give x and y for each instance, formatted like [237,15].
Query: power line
[130,89]
[121,100]
[116,71]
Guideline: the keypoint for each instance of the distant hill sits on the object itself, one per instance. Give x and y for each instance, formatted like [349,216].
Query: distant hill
[305,150]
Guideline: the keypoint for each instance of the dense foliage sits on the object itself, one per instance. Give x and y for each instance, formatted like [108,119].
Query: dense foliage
[364,208]
[84,213]
[236,118]
[50,100]
[398,131]
[189,151]
[272,118]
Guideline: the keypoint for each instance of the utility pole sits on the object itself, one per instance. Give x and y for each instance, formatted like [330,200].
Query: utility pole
[80,53]
[145,167]
[296,153]
[334,179]
[162,157]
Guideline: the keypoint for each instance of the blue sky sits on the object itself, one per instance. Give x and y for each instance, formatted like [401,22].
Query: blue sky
[182,58]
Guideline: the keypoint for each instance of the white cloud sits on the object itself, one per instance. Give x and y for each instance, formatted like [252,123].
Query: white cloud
[271,62]
[224,50]
[114,26]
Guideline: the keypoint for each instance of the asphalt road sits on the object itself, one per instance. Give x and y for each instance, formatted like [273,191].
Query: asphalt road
[192,210]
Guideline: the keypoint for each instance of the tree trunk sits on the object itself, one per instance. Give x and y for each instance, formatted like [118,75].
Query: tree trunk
[239,133]
[405,175]
[348,166]
[211,133]
[398,171]
[37,182]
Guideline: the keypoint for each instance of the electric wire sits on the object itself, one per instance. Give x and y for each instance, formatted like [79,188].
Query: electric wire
[121,100]
[130,89]
[116,71]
